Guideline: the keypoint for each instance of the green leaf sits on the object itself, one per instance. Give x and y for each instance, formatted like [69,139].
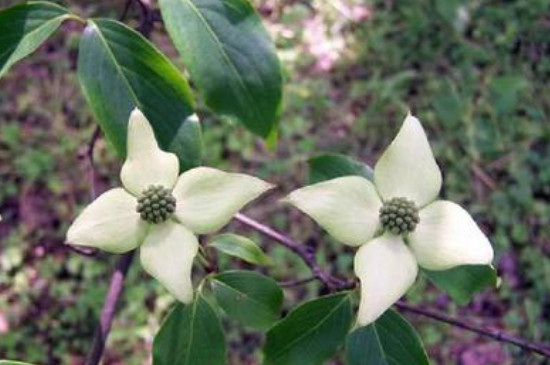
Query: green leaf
[10,362]
[448,9]
[251,298]
[462,282]
[24,27]
[230,57]
[449,105]
[505,92]
[119,69]
[331,166]
[191,335]
[311,334]
[241,247]
[390,340]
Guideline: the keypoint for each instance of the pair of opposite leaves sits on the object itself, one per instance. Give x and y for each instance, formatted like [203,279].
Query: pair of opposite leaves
[349,208]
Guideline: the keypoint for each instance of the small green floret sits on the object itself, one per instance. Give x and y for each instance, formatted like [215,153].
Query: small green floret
[156,204]
[399,216]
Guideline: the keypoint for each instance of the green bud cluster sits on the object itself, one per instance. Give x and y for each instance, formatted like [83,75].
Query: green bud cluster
[399,216]
[156,204]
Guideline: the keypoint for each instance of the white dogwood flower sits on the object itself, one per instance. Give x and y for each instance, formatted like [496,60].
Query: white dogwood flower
[160,212]
[397,221]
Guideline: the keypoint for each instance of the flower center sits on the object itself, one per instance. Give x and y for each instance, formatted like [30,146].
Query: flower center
[399,216]
[156,204]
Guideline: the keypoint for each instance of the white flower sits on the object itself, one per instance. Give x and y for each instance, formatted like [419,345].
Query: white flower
[160,212]
[416,228]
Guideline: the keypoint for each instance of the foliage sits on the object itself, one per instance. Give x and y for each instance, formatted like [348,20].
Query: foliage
[389,340]
[311,333]
[481,73]
[241,247]
[251,298]
[230,57]
[25,27]
[119,70]
[191,335]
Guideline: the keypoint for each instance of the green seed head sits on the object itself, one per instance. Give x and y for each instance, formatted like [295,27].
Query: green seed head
[156,204]
[399,216]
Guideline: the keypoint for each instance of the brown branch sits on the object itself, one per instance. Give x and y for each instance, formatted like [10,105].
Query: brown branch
[297,282]
[109,307]
[339,284]
[90,155]
[83,251]
[539,348]
[484,177]
[306,253]
[125,11]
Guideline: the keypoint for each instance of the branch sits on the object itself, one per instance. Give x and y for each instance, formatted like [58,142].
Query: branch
[83,251]
[90,155]
[539,348]
[109,307]
[339,284]
[125,11]
[306,253]
[297,282]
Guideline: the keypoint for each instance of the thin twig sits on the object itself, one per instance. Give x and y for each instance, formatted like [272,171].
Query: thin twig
[83,251]
[297,282]
[109,307]
[306,253]
[539,348]
[124,13]
[484,177]
[147,19]
[90,155]
[330,282]
[90,148]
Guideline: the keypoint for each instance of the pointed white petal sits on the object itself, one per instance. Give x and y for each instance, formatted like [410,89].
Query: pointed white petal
[346,207]
[146,164]
[207,198]
[109,223]
[407,168]
[387,269]
[447,236]
[167,254]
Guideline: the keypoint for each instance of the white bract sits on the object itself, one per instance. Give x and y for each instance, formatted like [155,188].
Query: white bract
[160,212]
[396,222]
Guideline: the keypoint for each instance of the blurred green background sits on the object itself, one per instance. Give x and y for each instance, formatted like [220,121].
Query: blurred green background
[475,72]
